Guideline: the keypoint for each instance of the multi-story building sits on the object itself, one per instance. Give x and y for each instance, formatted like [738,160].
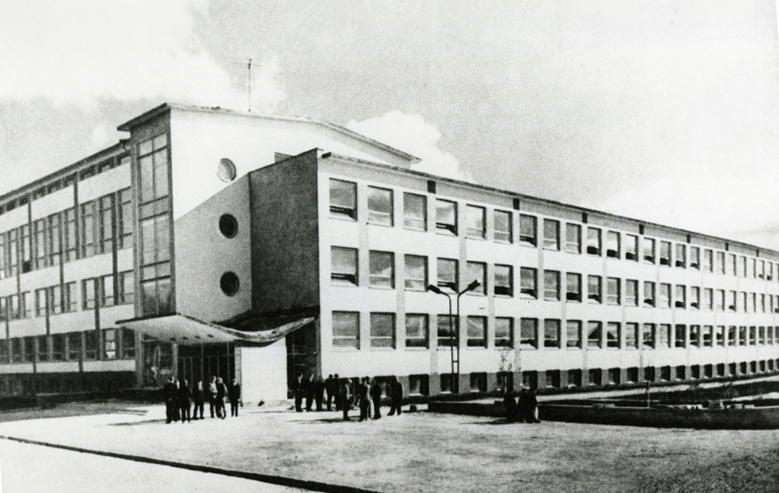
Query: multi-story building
[218,243]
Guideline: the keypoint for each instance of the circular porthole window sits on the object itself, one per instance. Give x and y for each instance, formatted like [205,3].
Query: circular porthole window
[228,225]
[229,283]
[226,170]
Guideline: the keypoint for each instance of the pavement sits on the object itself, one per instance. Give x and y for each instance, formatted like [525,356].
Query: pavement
[408,453]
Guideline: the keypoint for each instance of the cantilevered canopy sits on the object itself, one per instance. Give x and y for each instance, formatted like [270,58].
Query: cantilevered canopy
[188,331]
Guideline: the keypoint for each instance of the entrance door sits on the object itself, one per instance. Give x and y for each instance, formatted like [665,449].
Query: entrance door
[196,363]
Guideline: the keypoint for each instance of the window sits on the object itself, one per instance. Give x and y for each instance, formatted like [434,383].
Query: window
[665,295]
[475,221]
[107,297]
[53,239]
[25,309]
[573,287]
[528,333]
[594,289]
[631,292]
[88,247]
[573,334]
[631,335]
[446,334]
[416,272]
[447,273]
[91,345]
[695,257]
[665,253]
[612,291]
[3,261]
[43,348]
[594,334]
[573,238]
[551,234]
[594,376]
[128,344]
[343,266]
[695,335]
[708,260]
[126,288]
[39,243]
[663,335]
[418,384]
[681,258]
[528,287]
[731,303]
[380,206]
[527,230]
[416,331]
[649,250]
[721,262]
[449,382]
[24,248]
[753,267]
[41,302]
[13,252]
[502,231]
[124,221]
[414,211]
[109,344]
[742,270]
[648,337]
[477,271]
[732,335]
[708,298]
[69,235]
[478,382]
[681,296]
[346,330]
[695,297]
[720,300]
[383,330]
[382,273]
[89,292]
[680,336]
[504,332]
[13,307]
[551,285]
[477,331]
[631,247]
[446,217]
[106,223]
[69,297]
[720,335]
[504,280]
[593,241]
[707,335]
[343,199]
[731,267]
[16,350]
[29,349]
[612,245]
[649,293]
[551,333]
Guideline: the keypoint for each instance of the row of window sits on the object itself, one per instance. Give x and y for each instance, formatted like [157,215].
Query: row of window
[343,204]
[89,345]
[102,291]
[64,237]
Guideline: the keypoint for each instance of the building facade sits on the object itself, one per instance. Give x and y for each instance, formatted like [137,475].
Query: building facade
[218,243]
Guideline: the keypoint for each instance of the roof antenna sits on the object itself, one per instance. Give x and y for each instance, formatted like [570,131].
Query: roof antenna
[249,68]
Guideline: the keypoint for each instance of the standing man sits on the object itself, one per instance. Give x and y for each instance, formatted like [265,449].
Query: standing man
[345,398]
[170,392]
[221,393]
[197,395]
[396,396]
[364,402]
[329,387]
[376,398]
[212,391]
[319,393]
[184,400]
[235,398]
[308,389]
[298,392]
[337,387]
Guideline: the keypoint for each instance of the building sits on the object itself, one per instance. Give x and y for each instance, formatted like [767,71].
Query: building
[218,243]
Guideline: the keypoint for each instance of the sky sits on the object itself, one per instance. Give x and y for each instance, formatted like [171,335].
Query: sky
[664,111]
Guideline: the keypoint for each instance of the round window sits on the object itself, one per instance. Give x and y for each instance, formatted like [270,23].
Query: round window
[229,283]
[226,170]
[228,226]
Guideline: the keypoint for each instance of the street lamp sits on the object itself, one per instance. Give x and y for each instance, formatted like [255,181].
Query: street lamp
[454,342]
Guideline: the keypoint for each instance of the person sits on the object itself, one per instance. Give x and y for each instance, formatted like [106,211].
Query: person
[532,405]
[298,392]
[184,400]
[197,395]
[345,397]
[376,398]
[330,389]
[510,405]
[221,393]
[319,393]
[170,391]
[396,396]
[337,388]
[212,391]
[235,398]
[365,404]
[308,387]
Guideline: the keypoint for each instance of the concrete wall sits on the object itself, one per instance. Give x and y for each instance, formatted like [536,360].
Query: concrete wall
[263,372]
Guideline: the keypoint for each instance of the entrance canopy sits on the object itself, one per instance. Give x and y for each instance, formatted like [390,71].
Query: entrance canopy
[189,331]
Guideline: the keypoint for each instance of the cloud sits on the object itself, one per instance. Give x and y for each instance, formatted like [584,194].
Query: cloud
[82,51]
[410,133]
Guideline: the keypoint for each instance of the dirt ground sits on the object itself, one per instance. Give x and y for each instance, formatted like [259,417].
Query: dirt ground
[432,452]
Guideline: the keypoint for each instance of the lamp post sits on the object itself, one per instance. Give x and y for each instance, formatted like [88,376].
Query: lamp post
[454,342]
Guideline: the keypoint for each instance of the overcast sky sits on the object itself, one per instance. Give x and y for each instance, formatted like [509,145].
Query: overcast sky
[660,110]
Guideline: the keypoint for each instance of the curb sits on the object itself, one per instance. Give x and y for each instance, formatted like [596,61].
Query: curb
[252,476]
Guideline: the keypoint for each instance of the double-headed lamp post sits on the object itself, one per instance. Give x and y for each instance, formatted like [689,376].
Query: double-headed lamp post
[454,342]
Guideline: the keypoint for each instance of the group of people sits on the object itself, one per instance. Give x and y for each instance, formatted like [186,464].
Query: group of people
[522,409]
[347,393]
[180,397]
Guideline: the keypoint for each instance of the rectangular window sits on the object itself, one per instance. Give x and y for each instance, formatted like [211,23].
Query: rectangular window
[631,292]
[346,330]
[707,335]
[504,332]
[708,298]
[663,335]
[88,246]
[16,350]
[631,247]
[681,296]
[720,262]
[446,335]
[106,223]
[742,269]
[124,220]
[3,257]
[731,302]
[107,297]
[753,267]
[720,300]
[594,289]
[416,272]
[528,287]
[573,334]
[69,297]
[416,330]
[475,221]
[109,344]
[695,298]
[665,295]
[477,271]
[502,231]
[89,292]
[680,335]
[343,266]
[649,293]
[612,335]
[573,287]
[648,337]
[695,335]
[25,308]
[573,238]
[13,252]
[551,333]
[41,302]
[69,235]
[57,304]
[380,206]
[612,245]
[29,349]
[649,250]
[732,335]
[383,330]
[528,333]
[720,335]
[91,345]
[551,285]
[551,234]
[43,348]
[446,217]
[631,335]
[477,331]
[504,280]
[612,291]
[343,199]
[681,257]
[126,288]
[695,257]
[665,253]
[155,239]
[127,343]
[528,230]
[447,273]
[54,246]
[13,307]
[708,260]
[415,211]
[731,267]
[25,248]
[594,334]
[593,241]
[382,270]
[153,161]
[39,243]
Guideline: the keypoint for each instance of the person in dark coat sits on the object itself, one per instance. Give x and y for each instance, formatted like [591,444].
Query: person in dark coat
[319,393]
[396,396]
[510,405]
[221,393]
[345,397]
[298,392]
[330,389]
[184,401]
[365,404]
[235,398]
[308,391]
[337,388]
[376,398]
[197,397]
[170,390]
[532,404]
[212,392]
